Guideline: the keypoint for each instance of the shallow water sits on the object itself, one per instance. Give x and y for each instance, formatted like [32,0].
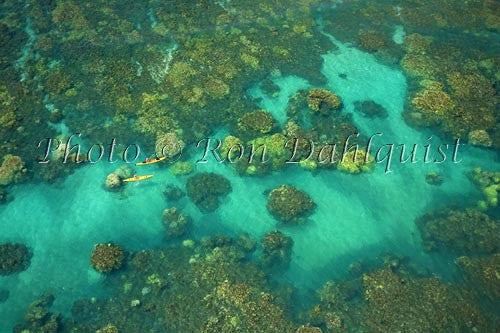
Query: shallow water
[357,216]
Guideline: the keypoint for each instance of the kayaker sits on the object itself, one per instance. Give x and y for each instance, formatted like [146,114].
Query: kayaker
[148,160]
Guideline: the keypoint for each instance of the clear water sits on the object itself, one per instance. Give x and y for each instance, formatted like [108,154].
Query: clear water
[357,216]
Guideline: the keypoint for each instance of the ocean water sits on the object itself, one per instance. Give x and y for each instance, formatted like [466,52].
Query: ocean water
[357,216]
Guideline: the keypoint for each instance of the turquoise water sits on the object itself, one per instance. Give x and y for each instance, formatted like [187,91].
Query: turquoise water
[357,216]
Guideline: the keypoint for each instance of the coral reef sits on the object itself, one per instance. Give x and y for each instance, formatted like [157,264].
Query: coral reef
[174,72]
[181,168]
[450,91]
[38,318]
[372,40]
[108,329]
[308,329]
[14,258]
[113,182]
[460,231]
[488,183]
[206,190]
[175,223]
[256,123]
[169,145]
[434,178]
[269,153]
[398,303]
[173,193]
[370,109]
[186,288]
[483,274]
[289,204]
[433,102]
[323,101]
[276,250]
[231,147]
[480,138]
[4,196]
[107,257]
[391,299]
[245,242]
[12,170]
[124,171]
[356,161]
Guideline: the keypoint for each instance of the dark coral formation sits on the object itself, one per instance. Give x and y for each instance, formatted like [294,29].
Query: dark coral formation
[213,288]
[324,130]
[12,170]
[395,302]
[38,318]
[323,101]
[483,273]
[186,289]
[206,190]
[4,196]
[446,55]
[255,123]
[114,181]
[173,193]
[459,231]
[107,257]
[488,182]
[392,300]
[175,222]
[173,76]
[289,204]
[14,258]
[276,250]
[370,109]
[108,329]
[434,178]
[171,73]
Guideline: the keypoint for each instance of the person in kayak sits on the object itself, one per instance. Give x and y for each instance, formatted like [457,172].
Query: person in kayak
[148,160]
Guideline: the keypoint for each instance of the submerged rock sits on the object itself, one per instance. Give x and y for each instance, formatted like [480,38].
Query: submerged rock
[308,329]
[256,123]
[483,274]
[370,109]
[113,182]
[459,231]
[206,190]
[289,205]
[4,196]
[434,178]
[173,193]
[107,257]
[276,250]
[38,318]
[323,101]
[108,329]
[175,222]
[14,258]
[12,170]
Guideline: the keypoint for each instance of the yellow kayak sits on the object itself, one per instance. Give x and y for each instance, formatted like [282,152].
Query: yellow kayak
[152,161]
[137,178]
